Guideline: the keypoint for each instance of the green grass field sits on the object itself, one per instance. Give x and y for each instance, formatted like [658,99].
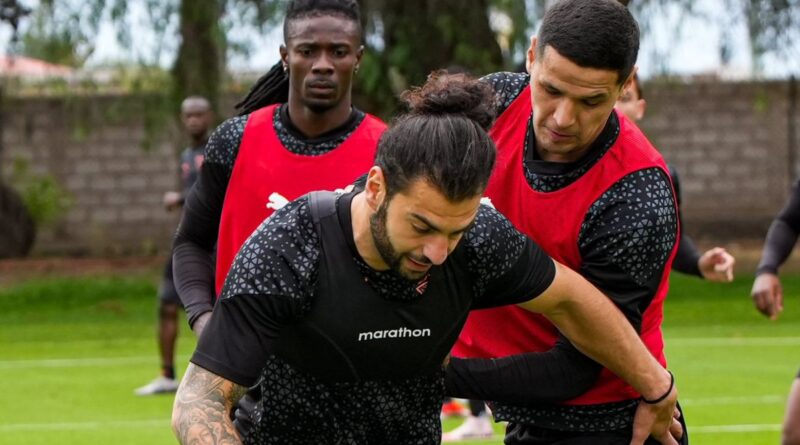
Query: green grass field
[72,350]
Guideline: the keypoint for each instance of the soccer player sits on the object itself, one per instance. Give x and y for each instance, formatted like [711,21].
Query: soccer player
[345,307]
[196,116]
[767,292]
[297,131]
[715,264]
[590,189]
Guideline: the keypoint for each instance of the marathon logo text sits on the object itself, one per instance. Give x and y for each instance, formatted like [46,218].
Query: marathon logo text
[394,333]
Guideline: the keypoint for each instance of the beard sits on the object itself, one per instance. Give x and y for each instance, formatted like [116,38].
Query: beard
[380,236]
[389,255]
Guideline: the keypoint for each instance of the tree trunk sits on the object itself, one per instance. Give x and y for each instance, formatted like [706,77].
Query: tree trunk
[198,67]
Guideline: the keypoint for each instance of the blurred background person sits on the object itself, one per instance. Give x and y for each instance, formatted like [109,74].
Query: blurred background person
[767,292]
[196,117]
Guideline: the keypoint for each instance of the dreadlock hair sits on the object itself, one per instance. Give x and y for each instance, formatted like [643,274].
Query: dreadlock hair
[273,87]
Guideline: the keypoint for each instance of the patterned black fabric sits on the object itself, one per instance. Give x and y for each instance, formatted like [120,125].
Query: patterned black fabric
[273,283]
[604,417]
[223,146]
[297,409]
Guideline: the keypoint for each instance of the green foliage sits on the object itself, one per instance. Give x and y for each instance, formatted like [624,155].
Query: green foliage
[518,35]
[44,198]
[60,34]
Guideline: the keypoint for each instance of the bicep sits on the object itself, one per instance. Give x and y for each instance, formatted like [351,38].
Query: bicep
[199,384]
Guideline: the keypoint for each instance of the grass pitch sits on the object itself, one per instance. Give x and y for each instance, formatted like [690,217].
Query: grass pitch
[73,349]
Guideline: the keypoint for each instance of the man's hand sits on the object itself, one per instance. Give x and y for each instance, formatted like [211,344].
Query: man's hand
[172,200]
[717,265]
[659,420]
[200,324]
[767,295]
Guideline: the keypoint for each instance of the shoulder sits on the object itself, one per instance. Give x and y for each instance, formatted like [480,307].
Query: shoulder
[492,238]
[634,224]
[647,193]
[223,144]
[280,257]
[507,87]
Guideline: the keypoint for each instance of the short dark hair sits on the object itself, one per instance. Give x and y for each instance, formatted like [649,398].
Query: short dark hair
[442,138]
[592,34]
[273,87]
[299,9]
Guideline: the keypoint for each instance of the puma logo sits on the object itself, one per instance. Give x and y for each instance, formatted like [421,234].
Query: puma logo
[276,201]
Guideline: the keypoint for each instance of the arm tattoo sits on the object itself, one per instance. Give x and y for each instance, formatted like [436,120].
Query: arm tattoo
[201,414]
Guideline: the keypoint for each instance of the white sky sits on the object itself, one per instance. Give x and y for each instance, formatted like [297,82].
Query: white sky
[694,51]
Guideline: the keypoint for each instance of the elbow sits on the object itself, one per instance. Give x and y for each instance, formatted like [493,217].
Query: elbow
[176,422]
[175,427]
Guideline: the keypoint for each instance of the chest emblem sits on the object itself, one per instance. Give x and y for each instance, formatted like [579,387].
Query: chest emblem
[276,201]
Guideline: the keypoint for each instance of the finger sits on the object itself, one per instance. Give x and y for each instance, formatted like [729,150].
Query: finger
[778,303]
[775,301]
[666,438]
[676,429]
[760,299]
[676,414]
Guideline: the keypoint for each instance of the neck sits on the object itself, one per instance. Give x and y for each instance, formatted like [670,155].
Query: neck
[572,156]
[197,141]
[360,214]
[313,124]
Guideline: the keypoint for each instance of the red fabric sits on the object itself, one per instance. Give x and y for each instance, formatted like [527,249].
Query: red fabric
[264,166]
[553,220]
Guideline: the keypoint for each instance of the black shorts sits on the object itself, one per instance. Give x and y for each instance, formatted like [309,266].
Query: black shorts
[521,434]
[167,294]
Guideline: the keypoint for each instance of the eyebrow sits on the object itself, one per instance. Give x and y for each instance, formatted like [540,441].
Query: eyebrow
[438,229]
[548,85]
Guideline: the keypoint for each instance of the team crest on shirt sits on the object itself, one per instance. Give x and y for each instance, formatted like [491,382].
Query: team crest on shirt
[423,284]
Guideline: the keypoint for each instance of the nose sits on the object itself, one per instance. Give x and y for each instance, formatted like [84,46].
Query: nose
[436,249]
[564,114]
[322,64]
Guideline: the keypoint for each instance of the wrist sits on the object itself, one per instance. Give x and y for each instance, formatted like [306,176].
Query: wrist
[766,270]
[658,398]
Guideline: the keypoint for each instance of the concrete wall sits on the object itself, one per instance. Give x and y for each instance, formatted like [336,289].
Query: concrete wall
[116,157]
[114,164]
[730,143]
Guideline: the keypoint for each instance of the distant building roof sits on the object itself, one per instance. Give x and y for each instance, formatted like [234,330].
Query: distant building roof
[19,66]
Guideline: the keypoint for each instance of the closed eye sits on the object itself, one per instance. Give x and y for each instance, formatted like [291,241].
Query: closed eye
[422,230]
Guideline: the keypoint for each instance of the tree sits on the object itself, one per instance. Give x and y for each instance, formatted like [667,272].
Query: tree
[773,25]
[413,37]
[199,64]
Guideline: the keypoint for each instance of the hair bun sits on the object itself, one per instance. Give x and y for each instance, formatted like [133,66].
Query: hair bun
[460,94]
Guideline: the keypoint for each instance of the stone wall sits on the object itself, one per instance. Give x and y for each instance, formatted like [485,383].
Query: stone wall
[729,141]
[112,158]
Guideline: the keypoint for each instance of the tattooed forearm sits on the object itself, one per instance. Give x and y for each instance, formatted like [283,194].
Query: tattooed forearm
[202,406]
